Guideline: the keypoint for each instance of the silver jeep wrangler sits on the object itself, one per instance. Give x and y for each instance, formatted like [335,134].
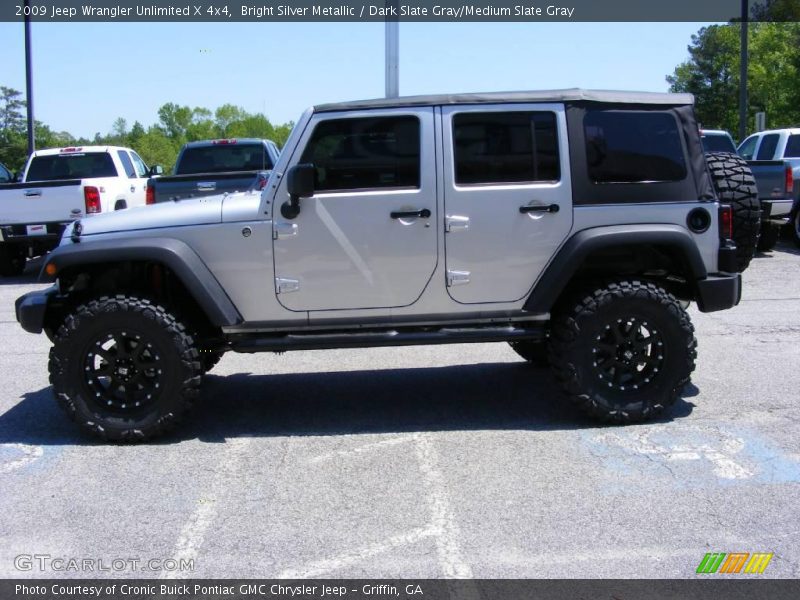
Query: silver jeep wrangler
[575,225]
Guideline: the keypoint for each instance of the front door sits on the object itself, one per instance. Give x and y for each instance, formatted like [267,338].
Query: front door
[508,197]
[367,237]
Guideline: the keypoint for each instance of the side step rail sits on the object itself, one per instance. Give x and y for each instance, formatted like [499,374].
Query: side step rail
[389,337]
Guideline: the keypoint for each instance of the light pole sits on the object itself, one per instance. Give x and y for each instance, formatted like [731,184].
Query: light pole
[743,72]
[392,54]
[29,80]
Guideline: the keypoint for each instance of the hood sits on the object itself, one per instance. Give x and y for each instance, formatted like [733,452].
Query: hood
[195,211]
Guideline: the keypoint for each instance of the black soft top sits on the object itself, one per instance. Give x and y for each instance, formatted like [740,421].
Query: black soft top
[568,95]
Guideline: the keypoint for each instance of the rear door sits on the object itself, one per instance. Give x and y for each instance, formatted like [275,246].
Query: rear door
[508,197]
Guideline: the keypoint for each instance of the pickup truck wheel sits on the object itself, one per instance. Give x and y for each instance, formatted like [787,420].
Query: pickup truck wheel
[534,352]
[12,260]
[794,230]
[735,185]
[624,352]
[769,237]
[124,368]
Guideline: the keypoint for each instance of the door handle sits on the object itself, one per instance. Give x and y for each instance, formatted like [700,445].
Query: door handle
[550,208]
[410,214]
[33,193]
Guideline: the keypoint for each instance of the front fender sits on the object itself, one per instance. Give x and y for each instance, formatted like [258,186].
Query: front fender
[174,254]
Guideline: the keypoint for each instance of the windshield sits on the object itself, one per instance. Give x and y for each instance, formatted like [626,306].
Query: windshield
[223,157]
[75,165]
[717,142]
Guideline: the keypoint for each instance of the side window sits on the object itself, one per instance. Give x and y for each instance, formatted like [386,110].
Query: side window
[792,147]
[138,163]
[747,147]
[505,147]
[633,146]
[5,175]
[127,165]
[365,153]
[767,148]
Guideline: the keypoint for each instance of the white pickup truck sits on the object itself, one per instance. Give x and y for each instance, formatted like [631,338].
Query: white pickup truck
[58,186]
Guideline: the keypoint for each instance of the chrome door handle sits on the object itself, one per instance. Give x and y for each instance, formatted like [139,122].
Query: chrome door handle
[550,208]
[410,214]
[33,193]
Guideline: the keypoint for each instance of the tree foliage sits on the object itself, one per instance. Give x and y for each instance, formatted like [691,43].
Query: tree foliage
[157,144]
[712,74]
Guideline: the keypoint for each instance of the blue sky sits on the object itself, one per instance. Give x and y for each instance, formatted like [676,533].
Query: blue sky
[87,75]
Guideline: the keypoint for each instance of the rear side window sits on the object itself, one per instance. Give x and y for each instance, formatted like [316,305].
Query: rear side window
[78,165]
[792,147]
[499,147]
[127,164]
[633,146]
[767,148]
[5,175]
[220,158]
[358,154]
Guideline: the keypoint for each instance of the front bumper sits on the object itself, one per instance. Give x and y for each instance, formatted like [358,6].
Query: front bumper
[719,291]
[31,307]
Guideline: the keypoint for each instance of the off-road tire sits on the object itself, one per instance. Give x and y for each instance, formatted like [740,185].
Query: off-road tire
[735,185]
[584,329]
[12,260]
[156,353]
[534,352]
[769,237]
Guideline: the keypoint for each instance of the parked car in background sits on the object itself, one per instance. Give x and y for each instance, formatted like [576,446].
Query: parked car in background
[777,145]
[58,186]
[211,167]
[717,140]
[6,176]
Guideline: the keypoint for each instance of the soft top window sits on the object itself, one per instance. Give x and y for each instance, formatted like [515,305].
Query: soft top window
[78,165]
[633,146]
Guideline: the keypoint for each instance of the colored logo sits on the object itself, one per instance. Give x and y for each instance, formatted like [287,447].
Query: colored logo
[735,562]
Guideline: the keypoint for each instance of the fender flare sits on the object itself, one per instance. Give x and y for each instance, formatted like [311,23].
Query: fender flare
[574,251]
[173,253]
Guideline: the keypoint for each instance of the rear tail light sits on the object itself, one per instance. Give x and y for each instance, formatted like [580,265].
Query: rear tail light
[91,196]
[789,181]
[224,142]
[726,222]
[150,195]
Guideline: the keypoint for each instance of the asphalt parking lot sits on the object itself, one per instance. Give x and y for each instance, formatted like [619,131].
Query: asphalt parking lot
[451,461]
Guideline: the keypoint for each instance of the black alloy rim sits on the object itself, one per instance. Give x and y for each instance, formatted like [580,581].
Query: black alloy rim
[628,354]
[123,372]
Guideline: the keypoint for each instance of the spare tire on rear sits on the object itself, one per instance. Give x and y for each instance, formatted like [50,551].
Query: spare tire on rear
[735,185]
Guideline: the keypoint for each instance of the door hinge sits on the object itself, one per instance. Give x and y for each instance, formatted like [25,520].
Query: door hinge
[457,278]
[456,223]
[286,286]
[284,230]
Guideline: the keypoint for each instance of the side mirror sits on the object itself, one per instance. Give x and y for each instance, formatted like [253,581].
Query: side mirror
[299,184]
[156,170]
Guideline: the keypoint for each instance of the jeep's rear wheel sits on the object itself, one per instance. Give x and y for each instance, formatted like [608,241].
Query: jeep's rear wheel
[624,352]
[735,185]
[124,368]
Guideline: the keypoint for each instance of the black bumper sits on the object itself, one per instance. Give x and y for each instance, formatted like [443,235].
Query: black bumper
[31,307]
[719,291]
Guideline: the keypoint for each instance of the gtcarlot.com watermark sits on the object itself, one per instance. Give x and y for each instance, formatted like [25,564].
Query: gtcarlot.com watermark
[61,564]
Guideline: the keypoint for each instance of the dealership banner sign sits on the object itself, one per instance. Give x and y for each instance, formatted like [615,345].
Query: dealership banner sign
[397,10]
[405,589]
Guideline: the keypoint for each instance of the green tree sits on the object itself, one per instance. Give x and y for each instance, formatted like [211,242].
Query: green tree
[712,74]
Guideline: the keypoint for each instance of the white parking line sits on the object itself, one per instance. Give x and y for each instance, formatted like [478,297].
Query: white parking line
[404,439]
[447,531]
[194,531]
[28,453]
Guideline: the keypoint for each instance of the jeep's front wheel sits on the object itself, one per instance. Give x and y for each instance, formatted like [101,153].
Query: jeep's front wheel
[124,368]
[624,352]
